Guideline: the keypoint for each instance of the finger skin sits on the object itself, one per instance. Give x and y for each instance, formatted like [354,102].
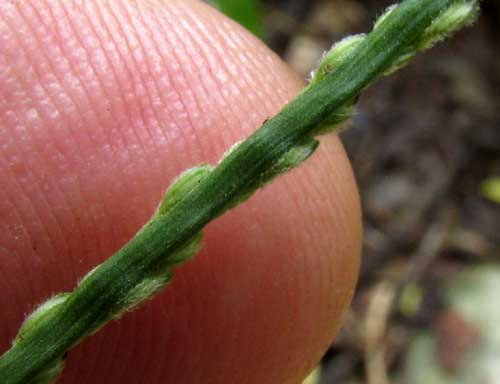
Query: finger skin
[102,105]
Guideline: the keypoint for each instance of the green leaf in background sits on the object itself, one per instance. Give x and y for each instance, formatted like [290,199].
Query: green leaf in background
[246,12]
[490,188]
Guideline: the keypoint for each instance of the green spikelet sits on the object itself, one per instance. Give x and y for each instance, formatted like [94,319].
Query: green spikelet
[39,315]
[30,324]
[455,17]
[183,185]
[335,56]
[158,278]
[50,374]
[291,159]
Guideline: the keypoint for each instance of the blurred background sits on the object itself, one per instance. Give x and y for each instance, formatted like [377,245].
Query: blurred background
[425,147]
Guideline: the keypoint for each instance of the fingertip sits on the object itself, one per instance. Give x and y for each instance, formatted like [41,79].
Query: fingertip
[142,91]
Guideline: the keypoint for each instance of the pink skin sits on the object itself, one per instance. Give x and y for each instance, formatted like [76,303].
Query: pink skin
[102,105]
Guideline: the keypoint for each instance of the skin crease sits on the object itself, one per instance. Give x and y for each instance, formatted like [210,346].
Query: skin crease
[102,105]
